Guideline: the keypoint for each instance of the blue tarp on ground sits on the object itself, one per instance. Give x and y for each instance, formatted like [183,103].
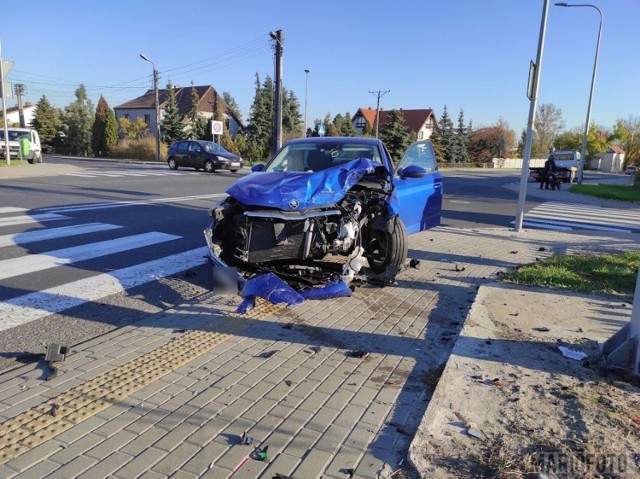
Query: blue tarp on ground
[271,288]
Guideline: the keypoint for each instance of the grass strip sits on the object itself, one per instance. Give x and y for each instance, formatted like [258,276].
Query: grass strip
[610,274]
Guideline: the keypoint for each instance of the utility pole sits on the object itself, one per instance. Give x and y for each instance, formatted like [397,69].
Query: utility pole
[379,94]
[277,127]
[157,104]
[19,92]
[7,153]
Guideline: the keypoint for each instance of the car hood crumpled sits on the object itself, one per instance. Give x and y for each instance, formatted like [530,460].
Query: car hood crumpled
[295,191]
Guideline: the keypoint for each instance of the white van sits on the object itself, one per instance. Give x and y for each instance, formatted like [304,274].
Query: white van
[17,134]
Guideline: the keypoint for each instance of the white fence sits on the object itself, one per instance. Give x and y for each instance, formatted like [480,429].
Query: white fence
[516,163]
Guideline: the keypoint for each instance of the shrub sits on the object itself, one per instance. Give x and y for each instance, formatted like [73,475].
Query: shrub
[141,149]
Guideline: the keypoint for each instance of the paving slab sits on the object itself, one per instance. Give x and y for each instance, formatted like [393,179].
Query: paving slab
[176,404]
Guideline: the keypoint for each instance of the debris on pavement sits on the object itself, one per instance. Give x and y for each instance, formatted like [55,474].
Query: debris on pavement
[267,354]
[246,440]
[572,353]
[542,329]
[474,433]
[358,354]
[260,454]
[414,263]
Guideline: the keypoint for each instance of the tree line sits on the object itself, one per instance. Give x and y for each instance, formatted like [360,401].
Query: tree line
[81,130]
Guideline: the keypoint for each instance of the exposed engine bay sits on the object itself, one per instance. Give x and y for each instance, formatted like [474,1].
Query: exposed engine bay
[308,247]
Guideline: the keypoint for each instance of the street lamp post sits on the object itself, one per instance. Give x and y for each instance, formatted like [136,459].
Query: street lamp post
[306,88]
[157,104]
[593,81]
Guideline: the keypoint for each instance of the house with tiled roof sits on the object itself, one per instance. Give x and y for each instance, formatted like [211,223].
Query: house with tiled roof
[144,106]
[419,122]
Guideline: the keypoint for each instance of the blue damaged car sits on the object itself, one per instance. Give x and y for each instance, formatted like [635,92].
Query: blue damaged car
[324,207]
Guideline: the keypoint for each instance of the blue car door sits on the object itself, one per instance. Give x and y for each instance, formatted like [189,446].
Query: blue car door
[419,187]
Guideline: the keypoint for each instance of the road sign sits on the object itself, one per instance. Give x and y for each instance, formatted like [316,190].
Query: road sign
[7,91]
[217,127]
[6,67]
[321,129]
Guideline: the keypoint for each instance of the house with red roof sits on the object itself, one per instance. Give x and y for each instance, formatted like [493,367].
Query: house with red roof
[419,122]
[144,106]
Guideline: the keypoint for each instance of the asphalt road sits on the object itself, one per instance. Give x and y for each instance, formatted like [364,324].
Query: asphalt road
[128,242]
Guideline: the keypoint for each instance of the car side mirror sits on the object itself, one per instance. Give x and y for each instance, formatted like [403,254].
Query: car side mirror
[258,167]
[412,171]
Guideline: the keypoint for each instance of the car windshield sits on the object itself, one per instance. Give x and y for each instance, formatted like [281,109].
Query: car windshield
[213,147]
[312,157]
[14,135]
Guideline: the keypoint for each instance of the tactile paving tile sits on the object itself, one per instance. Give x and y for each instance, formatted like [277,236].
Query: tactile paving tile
[48,419]
[262,310]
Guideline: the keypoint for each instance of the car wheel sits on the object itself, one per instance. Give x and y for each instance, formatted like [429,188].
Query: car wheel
[385,250]
[31,160]
[208,166]
[233,171]
[172,163]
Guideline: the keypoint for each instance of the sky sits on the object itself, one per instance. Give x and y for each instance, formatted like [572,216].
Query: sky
[472,55]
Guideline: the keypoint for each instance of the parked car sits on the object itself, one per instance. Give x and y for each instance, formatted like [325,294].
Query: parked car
[16,136]
[631,170]
[327,197]
[202,155]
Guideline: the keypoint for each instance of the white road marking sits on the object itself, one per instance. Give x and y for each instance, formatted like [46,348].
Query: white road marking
[24,309]
[26,219]
[11,209]
[54,233]
[10,268]
[119,204]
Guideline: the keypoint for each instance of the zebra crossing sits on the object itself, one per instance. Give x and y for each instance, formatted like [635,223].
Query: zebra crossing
[16,262]
[120,173]
[553,215]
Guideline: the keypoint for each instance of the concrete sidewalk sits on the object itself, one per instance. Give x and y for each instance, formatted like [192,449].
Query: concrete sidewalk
[330,387]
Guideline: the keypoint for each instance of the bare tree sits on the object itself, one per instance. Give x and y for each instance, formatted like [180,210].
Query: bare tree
[549,124]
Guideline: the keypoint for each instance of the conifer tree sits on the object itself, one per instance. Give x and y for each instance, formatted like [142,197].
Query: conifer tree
[447,137]
[260,127]
[197,123]
[291,117]
[436,140]
[395,135]
[462,140]
[347,127]
[172,128]
[232,105]
[79,118]
[104,133]
[46,121]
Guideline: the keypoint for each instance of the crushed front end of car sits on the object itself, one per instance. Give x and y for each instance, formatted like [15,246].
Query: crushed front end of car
[310,228]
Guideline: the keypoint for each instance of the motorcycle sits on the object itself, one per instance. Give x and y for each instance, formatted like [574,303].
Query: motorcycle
[550,180]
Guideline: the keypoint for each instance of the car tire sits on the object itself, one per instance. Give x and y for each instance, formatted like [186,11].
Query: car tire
[233,171]
[31,160]
[172,163]
[209,167]
[388,250]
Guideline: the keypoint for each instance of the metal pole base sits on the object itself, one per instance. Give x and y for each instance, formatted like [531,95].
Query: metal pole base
[622,351]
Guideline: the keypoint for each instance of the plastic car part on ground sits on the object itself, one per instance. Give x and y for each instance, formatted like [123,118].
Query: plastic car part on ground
[270,287]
